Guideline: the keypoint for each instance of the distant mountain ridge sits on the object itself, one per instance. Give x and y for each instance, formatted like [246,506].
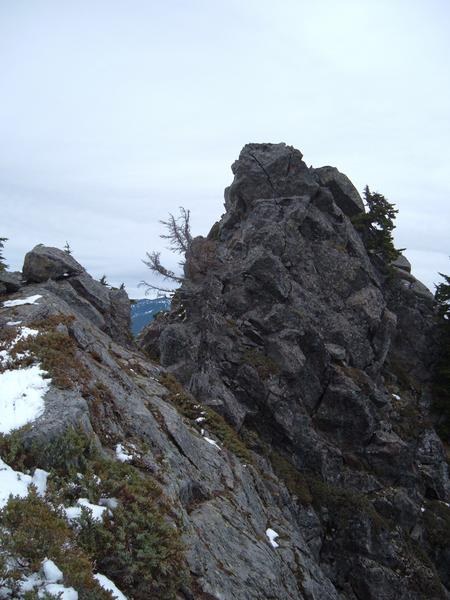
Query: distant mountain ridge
[144,310]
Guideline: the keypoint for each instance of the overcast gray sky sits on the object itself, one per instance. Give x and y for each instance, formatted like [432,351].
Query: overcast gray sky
[114,112]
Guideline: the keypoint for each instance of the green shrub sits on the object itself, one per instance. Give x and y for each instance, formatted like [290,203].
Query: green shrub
[3,266]
[441,383]
[264,365]
[342,504]
[70,453]
[57,354]
[30,531]
[376,226]
[136,546]
[214,423]
[294,480]
[12,449]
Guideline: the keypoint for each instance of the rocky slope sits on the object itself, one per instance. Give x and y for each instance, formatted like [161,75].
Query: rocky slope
[218,498]
[330,483]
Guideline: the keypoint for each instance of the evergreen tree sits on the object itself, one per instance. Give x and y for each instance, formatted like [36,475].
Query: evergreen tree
[441,396]
[103,280]
[377,224]
[3,266]
[67,248]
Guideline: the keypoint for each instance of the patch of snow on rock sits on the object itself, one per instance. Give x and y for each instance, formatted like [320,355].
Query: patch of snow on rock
[109,586]
[272,535]
[74,512]
[122,455]
[22,301]
[28,583]
[59,591]
[22,394]
[23,334]
[212,442]
[16,483]
[40,481]
[51,572]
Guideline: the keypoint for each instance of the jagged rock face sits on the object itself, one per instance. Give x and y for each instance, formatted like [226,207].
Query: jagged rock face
[59,272]
[290,329]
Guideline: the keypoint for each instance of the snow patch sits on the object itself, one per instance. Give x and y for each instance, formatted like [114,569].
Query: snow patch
[22,334]
[122,455]
[74,512]
[27,584]
[109,586]
[396,396]
[272,535]
[21,301]
[13,323]
[51,572]
[16,483]
[22,394]
[212,442]
[59,591]
[40,481]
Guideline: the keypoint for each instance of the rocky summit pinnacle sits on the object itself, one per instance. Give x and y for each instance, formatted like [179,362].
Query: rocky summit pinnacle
[270,438]
[321,355]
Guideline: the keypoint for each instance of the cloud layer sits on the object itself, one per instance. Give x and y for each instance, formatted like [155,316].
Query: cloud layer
[113,114]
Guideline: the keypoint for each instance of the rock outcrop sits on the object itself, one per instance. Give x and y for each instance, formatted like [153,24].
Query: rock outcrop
[299,460]
[58,271]
[288,327]
[44,263]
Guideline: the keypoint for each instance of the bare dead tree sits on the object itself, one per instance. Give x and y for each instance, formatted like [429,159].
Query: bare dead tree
[178,232]
[180,240]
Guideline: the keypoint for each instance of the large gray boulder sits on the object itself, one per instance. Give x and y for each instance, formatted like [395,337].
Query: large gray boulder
[107,308]
[267,171]
[344,192]
[401,262]
[44,262]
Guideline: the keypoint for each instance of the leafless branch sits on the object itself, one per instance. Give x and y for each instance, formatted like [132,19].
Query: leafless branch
[157,288]
[179,231]
[153,262]
[180,240]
